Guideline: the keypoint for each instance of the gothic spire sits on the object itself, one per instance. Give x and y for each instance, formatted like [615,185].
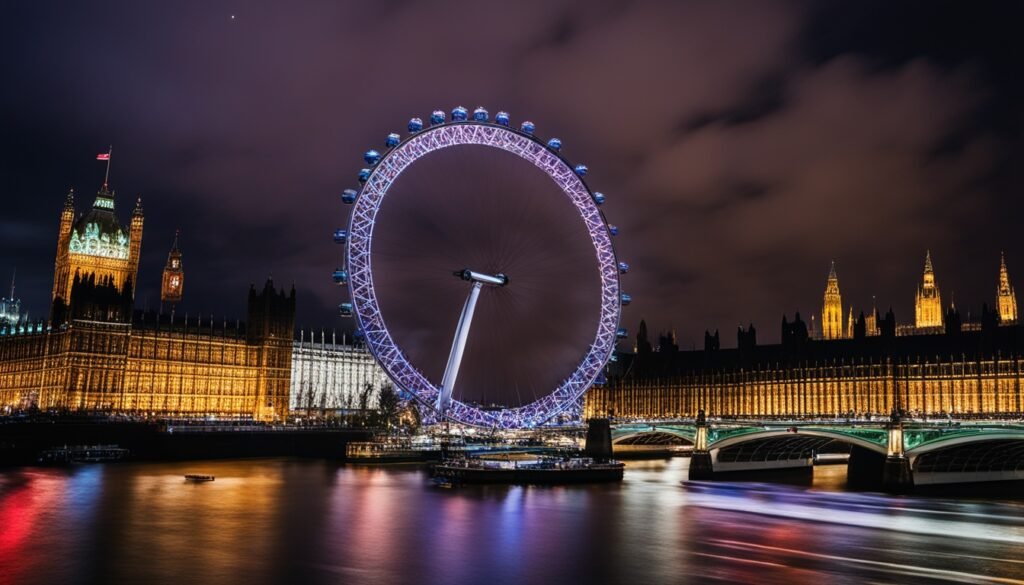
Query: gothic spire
[928,262]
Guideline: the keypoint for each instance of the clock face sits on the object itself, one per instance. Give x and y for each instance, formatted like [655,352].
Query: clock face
[175,282]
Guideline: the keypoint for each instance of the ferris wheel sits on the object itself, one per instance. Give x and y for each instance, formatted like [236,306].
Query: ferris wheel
[475,130]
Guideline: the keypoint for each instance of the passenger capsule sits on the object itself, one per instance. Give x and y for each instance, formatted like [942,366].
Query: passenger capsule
[371,157]
[598,197]
[623,267]
[340,276]
[392,140]
[340,236]
[349,196]
[502,118]
[415,125]
[555,144]
[364,175]
[613,229]
[613,357]
[358,335]
[480,114]
[626,299]
[345,309]
[527,127]
[581,170]
[622,333]
[437,117]
[460,114]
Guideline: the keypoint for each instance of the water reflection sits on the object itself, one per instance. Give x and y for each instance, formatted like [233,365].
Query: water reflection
[276,521]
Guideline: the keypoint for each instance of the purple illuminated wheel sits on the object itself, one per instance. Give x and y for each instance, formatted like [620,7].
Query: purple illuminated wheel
[384,169]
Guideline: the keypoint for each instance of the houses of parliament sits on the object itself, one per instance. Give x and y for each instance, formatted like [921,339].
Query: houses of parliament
[851,364]
[96,352]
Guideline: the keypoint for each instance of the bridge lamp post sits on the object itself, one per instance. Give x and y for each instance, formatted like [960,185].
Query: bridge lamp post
[896,474]
[700,458]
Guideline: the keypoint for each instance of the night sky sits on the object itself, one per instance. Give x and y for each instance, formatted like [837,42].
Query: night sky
[742,146]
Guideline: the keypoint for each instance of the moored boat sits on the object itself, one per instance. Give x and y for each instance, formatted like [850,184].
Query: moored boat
[83,454]
[198,477]
[543,471]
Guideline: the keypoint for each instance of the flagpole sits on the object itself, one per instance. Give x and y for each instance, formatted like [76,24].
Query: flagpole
[106,178]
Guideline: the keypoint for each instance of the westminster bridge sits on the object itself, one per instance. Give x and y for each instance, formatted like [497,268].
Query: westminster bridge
[894,452]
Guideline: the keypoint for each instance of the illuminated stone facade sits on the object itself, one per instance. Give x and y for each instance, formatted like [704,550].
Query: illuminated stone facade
[330,375]
[975,373]
[832,309]
[106,358]
[928,304]
[95,245]
[1006,297]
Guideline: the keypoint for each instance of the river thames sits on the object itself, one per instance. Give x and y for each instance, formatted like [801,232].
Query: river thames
[308,521]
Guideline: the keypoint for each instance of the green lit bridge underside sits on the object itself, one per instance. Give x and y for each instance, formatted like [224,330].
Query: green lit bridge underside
[918,438]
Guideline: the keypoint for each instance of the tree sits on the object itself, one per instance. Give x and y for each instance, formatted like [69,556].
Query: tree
[388,406]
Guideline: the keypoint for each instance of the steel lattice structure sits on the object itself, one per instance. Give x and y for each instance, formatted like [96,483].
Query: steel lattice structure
[378,179]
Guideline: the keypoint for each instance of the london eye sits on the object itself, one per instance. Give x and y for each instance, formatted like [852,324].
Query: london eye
[517,238]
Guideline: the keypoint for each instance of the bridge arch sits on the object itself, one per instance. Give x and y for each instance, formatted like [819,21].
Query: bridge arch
[635,434]
[966,437]
[785,433]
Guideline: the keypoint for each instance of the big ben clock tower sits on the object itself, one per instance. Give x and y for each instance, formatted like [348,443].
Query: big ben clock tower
[173,283]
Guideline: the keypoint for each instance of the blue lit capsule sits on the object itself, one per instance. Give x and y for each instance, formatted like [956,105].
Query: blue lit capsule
[613,229]
[622,333]
[371,157]
[358,335]
[613,357]
[598,197]
[626,299]
[623,267]
[415,125]
[345,309]
[392,140]
[349,196]
[460,114]
[502,118]
[581,170]
[437,117]
[340,276]
[364,175]
[480,114]
[527,127]
[340,236]
[555,144]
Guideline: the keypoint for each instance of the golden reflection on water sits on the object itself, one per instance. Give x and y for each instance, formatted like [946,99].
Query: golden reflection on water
[214,521]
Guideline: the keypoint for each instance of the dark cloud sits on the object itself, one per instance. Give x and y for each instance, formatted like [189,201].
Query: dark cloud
[742,145]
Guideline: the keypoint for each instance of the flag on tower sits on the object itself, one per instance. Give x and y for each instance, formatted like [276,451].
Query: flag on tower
[103,156]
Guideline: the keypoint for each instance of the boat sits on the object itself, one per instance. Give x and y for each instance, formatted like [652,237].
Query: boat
[390,451]
[541,471]
[198,477]
[83,454]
